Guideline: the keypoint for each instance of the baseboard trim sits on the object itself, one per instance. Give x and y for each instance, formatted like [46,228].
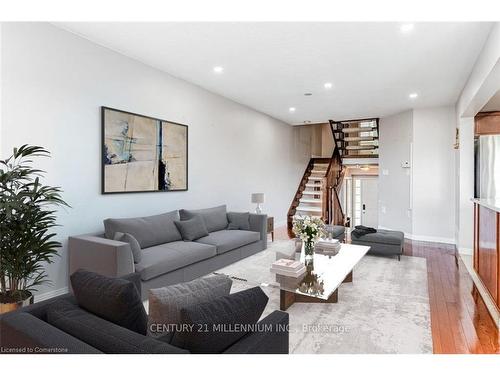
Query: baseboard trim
[465,251]
[51,294]
[416,237]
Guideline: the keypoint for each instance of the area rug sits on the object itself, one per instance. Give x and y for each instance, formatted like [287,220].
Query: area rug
[384,310]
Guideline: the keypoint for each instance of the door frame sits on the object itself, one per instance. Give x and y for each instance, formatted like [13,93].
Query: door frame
[353,194]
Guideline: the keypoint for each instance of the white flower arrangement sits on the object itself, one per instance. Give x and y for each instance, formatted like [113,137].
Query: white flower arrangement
[309,229]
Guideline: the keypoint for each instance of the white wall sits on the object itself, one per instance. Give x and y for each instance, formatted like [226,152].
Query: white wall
[433,174]
[54,84]
[394,181]
[419,200]
[483,82]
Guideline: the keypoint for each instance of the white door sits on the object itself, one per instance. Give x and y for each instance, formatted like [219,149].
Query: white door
[369,202]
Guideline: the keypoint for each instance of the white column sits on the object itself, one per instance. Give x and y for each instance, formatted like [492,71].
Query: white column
[466,185]
[1,86]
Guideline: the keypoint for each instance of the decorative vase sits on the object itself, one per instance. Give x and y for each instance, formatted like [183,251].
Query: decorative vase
[309,249]
[11,306]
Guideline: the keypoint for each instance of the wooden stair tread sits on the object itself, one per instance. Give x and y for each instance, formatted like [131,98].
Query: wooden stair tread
[355,139]
[309,208]
[358,130]
[364,147]
[309,200]
[318,173]
[300,216]
[371,156]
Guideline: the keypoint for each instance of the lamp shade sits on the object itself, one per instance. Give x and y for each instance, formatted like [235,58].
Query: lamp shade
[258,197]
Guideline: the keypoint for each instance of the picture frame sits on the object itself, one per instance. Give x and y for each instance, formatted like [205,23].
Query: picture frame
[142,153]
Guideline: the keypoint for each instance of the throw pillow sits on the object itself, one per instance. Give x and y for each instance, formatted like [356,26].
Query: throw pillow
[192,229]
[238,220]
[223,321]
[148,231]
[101,334]
[113,299]
[215,217]
[165,303]
[134,245]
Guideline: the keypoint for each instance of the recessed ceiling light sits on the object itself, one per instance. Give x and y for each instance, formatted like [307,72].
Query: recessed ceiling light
[413,95]
[308,94]
[407,27]
[218,69]
[291,109]
[328,85]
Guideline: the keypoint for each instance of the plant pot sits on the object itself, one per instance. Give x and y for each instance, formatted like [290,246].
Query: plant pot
[6,306]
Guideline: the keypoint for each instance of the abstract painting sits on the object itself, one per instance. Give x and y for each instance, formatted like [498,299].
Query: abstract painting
[142,153]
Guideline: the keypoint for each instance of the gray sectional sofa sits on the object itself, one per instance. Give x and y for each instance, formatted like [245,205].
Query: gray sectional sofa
[31,330]
[165,258]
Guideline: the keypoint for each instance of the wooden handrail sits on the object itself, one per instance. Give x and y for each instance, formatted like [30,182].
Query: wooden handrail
[324,202]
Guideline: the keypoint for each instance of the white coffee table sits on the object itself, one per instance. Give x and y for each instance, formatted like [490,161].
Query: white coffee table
[319,284]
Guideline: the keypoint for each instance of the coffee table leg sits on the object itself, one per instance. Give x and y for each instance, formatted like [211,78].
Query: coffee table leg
[348,278]
[287,299]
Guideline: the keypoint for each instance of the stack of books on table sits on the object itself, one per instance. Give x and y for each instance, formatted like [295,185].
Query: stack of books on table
[288,267]
[327,247]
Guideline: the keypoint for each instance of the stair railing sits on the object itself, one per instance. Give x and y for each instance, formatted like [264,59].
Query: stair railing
[335,174]
[297,196]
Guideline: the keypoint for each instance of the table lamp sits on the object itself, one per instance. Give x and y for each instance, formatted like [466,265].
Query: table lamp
[259,199]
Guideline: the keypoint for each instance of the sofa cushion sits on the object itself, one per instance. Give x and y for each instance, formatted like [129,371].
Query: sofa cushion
[165,303]
[382,236]
[238,220]
[192,229]
[134,245]
[161,259]
[148,231]
[215,217]
[227,240]
[225,320]
[24,330]
[113,299]
[103,335]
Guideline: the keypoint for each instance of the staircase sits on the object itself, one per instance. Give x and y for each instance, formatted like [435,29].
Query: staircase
[356,138]
[318,192]
[310,201]
[319,188]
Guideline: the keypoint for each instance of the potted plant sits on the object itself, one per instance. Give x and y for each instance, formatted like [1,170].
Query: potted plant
[27,215]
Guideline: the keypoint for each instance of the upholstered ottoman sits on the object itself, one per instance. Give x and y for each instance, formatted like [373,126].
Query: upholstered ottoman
[384,242]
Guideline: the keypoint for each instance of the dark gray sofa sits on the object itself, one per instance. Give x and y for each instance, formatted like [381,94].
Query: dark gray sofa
[166,258]
[26,331]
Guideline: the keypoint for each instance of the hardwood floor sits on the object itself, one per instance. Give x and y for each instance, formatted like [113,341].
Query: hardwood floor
[459,319]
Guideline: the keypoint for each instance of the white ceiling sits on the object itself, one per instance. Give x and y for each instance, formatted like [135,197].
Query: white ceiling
[269,66]
[493,104]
